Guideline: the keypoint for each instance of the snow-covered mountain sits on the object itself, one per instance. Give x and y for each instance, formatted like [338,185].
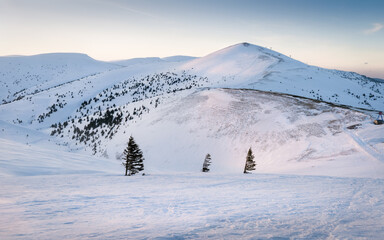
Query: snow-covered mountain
[253,67]
[24,75]
[65,120]
[181,108]
[150,60]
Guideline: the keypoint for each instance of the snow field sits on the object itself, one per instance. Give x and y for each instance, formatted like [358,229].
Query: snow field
[44,158]
[190,206]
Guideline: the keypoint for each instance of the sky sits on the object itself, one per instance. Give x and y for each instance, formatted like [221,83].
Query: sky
[338,34]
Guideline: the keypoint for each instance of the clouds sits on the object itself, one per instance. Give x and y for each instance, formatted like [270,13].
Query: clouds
[375,28]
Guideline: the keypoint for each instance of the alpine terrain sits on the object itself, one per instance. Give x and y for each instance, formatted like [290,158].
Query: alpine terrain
[65,120]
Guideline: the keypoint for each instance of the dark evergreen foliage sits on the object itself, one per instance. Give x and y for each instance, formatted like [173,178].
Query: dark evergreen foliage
[97,121]
[133,158]
[250,163]
[207,163]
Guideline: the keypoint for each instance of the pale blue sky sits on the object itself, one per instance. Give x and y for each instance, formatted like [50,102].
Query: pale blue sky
[342,34]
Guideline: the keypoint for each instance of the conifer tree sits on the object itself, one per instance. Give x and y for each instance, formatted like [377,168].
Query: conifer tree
[133,158]
[207,163]
[250,163]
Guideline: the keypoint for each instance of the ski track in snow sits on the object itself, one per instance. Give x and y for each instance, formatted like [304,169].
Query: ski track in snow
[365,146]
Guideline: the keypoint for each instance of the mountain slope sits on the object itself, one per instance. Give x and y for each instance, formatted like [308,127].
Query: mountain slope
[287,135]
[241,60]
[253,67]
[22,75]
[169,99]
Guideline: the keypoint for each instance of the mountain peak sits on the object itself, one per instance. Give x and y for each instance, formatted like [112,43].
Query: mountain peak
[239,59]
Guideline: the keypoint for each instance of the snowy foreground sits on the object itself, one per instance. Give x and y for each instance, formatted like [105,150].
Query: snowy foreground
[91,199]
[191,206]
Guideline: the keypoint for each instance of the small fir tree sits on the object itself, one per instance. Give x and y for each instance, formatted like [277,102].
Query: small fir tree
[207,163]
[133,158]
[250,163]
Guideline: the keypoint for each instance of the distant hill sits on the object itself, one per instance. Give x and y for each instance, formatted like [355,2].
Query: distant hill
[151,60]
[21,75]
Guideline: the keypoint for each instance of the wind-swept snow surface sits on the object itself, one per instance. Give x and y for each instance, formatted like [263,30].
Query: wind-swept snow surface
[49,194]
[33,160]
[190,206]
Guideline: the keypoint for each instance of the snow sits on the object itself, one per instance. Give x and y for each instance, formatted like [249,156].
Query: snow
[151,60]
[253,67]
[178,58]
[135,61]
[190,206]
[196,117]
[287,135]
[235,60]
[320,165]
[30,160]
[22,75]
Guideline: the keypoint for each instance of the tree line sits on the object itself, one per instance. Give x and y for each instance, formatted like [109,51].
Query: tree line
[133,160]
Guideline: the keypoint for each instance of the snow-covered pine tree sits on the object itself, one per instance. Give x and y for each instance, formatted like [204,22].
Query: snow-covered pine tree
[207,163]
[250,163]
[133,156]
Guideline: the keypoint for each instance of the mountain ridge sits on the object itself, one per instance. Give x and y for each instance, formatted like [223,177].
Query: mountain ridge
[198,104]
